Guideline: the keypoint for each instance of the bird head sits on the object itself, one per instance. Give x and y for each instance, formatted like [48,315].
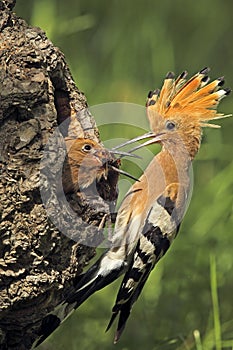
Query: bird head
[178,112]
[83,164]
[88,161]
[86,152]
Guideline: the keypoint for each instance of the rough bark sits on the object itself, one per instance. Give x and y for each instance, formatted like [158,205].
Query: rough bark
[37,262]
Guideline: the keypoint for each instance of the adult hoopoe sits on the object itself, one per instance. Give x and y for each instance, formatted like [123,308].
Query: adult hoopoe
[150,215]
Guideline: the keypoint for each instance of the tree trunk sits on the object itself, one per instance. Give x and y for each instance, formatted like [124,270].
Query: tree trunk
[38,263]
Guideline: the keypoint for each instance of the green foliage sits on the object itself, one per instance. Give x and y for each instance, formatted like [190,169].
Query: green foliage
[118,51]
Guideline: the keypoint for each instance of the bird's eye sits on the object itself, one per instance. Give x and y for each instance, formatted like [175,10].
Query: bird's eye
[170,125]
[87,148]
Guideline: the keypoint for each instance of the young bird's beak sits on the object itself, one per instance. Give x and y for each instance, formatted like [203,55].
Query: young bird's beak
[122,172]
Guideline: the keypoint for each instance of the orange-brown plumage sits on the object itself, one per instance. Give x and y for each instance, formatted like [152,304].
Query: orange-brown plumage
[150,215]
[155,206]
[85,163]
[189,105]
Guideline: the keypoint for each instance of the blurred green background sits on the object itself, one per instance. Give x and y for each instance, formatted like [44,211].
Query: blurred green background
[118,51]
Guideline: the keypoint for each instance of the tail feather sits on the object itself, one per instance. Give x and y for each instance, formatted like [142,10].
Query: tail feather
[48,326]
[130,289]
[113,317]
[102,273]
[93,280]
[124,315]
[123,308]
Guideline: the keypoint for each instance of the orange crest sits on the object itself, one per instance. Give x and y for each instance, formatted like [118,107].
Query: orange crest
[193,100]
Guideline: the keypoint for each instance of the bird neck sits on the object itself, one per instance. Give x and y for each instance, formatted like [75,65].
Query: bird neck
[175,162]
[184,145]
[189,141]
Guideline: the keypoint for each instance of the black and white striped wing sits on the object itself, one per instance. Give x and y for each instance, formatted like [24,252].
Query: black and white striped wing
[160,228]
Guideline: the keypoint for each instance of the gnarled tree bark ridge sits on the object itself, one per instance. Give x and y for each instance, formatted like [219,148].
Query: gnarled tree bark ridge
[37,262]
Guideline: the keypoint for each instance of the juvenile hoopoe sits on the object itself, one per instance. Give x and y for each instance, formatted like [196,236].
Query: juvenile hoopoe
[150,215]
[87,162]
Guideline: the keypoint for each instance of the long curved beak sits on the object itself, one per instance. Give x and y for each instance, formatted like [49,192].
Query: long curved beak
[138,138]
[123,154]
[155,139]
